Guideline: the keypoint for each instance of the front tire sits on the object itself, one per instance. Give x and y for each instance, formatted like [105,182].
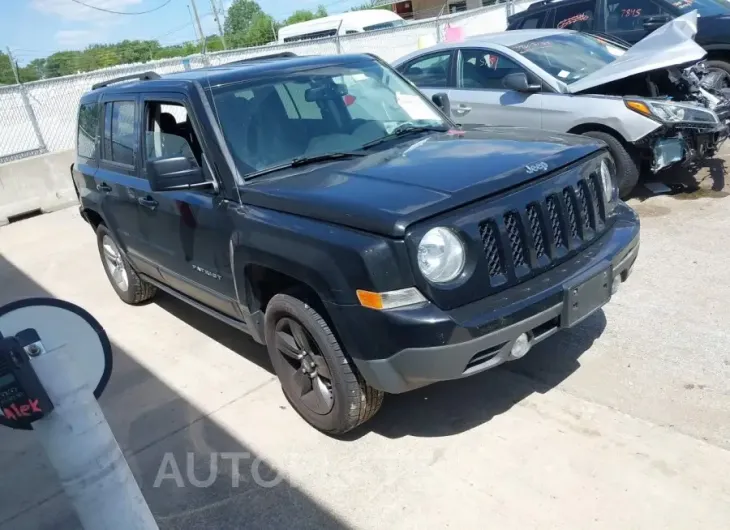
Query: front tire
[130,288]
[316,376]
[627,167]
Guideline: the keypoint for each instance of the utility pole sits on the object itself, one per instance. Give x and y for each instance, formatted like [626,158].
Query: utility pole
[216,15]
[200,28]
[192,21]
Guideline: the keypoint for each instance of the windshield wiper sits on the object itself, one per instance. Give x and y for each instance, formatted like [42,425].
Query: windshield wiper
[404,129]
[303,161]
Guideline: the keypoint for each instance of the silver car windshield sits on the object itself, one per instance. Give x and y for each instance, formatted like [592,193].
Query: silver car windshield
[299,113]
[570,56]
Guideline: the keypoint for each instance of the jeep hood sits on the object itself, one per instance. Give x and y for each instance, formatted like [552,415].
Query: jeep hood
[388,190]
[671,45]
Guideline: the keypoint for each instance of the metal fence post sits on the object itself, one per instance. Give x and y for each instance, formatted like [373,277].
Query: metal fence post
[438,22]
[338,44]
[28,107]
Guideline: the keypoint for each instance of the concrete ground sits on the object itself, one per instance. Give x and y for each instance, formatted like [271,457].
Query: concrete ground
[621,423]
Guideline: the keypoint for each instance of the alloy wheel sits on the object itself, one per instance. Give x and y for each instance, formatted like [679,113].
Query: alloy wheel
[307,374]
[114,263]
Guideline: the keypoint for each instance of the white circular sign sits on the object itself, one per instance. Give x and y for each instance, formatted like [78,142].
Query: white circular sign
[60,324]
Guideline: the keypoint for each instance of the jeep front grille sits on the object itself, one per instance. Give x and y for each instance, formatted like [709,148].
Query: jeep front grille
[511,223]
[543,233]
[490,238]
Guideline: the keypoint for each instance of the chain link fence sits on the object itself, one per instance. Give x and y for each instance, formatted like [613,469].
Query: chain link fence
[40,116]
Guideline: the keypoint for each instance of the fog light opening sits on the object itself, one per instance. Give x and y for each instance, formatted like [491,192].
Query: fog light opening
[520,347]
[616,284]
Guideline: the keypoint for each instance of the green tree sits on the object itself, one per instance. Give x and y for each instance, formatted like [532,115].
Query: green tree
[28,74]
[304,15]
[371,4]
[63,63]
[36,68]
[246,25]
[241,16]
[262,31]
[213,43]
[6,70]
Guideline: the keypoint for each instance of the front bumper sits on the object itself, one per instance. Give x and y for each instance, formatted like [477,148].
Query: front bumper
[400,350]
[685,144]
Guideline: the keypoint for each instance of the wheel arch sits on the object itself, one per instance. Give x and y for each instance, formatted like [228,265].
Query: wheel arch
[717,52]
[93,217]
[585,127]
[262,282]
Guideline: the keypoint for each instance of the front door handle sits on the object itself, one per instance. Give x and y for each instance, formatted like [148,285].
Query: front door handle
[462,110]
[147,202]
[104,187]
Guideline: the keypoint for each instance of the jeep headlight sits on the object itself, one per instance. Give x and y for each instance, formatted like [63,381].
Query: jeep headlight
[672,112]
[441,255]
[608,183]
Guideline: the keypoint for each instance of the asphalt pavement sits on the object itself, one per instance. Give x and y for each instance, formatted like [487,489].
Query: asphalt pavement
[620,423]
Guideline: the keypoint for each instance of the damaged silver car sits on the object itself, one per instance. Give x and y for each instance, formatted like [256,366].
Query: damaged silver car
[654,104]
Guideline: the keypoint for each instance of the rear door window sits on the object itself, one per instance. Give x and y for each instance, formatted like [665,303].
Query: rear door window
[578,16]
[119,132]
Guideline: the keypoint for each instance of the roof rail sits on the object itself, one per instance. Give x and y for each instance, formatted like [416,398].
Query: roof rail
[538,5]
[145,76]
[281,55]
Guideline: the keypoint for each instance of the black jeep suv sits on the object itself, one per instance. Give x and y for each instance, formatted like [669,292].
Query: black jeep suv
[632,20]
[326,207]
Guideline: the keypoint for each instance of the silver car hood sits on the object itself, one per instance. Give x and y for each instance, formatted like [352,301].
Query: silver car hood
[672,44]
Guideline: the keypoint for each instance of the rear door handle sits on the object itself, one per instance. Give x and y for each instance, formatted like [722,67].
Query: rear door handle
[148,202]
[104,187]
[461,110]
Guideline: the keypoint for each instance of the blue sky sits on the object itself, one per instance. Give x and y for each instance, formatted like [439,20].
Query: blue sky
[37,28]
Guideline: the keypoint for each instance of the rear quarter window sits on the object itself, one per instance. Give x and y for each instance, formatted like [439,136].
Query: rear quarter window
[87,138]
[530,21]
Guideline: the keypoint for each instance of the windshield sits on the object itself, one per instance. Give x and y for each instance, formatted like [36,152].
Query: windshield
[569,57]
[705,8]
[295,114]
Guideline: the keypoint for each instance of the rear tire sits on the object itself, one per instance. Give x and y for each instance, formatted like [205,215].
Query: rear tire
[627,167]
[130,288]
[322,367]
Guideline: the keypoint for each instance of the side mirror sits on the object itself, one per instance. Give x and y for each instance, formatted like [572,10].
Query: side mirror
[441,100]
[655,22]
[178,173]
[518,81]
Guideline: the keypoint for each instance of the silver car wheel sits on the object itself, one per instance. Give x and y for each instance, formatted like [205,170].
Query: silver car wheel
[114,263]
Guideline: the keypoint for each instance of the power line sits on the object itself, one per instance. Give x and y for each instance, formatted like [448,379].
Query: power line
[121,12]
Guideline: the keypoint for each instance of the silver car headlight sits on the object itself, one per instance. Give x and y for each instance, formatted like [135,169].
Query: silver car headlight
[608,183]
[671,112]
[441,255]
